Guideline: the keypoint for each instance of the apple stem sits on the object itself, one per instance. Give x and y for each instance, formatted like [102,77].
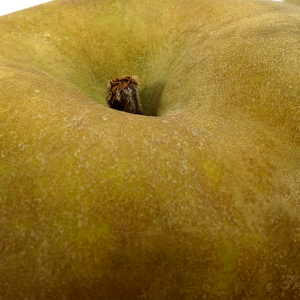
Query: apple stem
[123,95]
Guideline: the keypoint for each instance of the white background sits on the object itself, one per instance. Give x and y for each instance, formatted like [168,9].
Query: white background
[8,6]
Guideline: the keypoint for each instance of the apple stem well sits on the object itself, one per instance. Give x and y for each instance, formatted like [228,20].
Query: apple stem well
[123,95]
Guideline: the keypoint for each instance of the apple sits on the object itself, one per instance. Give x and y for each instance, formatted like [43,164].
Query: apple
[296,2]
[199,198]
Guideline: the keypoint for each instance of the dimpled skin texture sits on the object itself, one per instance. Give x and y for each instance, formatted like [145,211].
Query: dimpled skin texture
[196,199]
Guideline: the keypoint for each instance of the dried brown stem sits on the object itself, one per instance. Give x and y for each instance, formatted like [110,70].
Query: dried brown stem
[123,95]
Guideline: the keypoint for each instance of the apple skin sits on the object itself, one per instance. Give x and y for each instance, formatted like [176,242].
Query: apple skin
[296,2]
[199,199]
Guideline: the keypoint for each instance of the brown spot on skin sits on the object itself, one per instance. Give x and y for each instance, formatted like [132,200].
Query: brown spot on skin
[123,95]
[2,247]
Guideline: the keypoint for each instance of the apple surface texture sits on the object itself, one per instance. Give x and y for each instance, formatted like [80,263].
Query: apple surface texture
[198,198]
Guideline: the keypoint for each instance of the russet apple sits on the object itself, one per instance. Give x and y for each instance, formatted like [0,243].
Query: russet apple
[199,198]
[296,2]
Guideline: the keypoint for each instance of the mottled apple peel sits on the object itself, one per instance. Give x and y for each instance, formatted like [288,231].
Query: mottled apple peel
[123,95]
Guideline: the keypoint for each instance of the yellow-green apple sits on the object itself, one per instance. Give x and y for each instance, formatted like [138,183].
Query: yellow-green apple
[296,2]
[197,199]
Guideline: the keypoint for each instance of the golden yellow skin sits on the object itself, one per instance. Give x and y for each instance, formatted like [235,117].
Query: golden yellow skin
[199,199]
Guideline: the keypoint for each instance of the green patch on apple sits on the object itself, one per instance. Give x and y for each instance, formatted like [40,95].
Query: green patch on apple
[212,171]
[196,199]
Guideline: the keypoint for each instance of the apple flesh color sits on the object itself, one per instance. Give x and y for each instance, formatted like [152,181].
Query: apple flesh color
[198,199]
